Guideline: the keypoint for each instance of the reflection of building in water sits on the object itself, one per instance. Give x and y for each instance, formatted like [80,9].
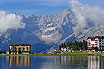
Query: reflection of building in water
[73,62]
[20,60]
[82,62]
[93,62]
[101,62]
[20,49]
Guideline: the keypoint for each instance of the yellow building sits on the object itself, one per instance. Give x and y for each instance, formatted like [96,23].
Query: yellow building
[20,49]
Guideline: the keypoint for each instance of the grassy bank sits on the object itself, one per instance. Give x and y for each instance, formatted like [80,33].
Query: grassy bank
[68,53]
[71,53]
[79,53]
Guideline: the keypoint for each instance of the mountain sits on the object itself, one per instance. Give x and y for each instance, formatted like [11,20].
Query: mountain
[46,31]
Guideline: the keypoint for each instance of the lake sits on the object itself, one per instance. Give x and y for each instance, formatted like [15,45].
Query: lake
[51,62]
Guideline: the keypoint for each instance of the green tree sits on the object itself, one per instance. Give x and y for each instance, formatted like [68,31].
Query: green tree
[74,47]
[68,44]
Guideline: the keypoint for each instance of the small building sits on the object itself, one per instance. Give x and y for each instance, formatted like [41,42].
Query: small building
[2,52]
[56,51]
[20,49]
[65,49]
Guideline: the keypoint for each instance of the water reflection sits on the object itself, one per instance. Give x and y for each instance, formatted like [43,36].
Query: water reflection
[82,62]
[72,62]
[19,61]
[93,62]
[52,62]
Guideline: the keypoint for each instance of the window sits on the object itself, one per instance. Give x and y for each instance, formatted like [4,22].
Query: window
[27,48]
[23,49]
[95,42]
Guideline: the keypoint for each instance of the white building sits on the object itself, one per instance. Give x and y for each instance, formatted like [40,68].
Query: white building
[65,49]
[97,41]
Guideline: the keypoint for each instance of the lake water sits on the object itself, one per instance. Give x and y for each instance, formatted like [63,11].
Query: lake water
[51,62]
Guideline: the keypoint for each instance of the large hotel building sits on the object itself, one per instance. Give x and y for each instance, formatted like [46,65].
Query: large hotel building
[97,41]
[20,49]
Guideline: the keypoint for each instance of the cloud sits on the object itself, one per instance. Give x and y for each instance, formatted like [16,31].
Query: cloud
[10,21]
[85,14]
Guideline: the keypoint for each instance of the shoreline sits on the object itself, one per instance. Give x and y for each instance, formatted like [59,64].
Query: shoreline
[71,54]
[64,54]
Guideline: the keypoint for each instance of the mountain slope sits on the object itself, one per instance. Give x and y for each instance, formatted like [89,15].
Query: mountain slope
[45,31]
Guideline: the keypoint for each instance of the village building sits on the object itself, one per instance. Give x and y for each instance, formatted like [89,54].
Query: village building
[96,42]
[65,49]
[56,51]
[20,49]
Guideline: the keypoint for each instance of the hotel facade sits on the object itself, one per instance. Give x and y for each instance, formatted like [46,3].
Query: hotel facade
[97,41]
[20,49]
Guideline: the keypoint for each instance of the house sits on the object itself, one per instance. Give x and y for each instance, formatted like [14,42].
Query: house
[20,49]
[56,51]
[2,52]
[65,49]
[96,42]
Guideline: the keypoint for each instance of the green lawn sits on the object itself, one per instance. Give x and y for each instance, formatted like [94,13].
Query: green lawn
[78,53]
[71,53]
[68,53]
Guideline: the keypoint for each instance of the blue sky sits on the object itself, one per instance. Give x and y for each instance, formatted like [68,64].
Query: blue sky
[28,7]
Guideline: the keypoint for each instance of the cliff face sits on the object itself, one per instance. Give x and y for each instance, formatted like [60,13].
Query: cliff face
[45,31]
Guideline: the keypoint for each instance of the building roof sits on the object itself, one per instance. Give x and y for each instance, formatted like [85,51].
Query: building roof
[56,49]
[90,38]
[20,45]
[93,38]
[102,37]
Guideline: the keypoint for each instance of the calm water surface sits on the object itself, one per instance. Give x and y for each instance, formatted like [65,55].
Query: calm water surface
[51,62]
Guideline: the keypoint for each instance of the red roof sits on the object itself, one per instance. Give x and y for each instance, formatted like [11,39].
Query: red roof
[56,49]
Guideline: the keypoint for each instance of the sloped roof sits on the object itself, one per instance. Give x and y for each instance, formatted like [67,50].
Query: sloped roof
[20,45]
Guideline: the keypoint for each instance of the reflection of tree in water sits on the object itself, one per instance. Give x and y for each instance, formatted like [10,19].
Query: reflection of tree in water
[74,61]
[82,62]
[19,61]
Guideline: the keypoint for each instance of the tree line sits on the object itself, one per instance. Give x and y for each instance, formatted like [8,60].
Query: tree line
[76,45]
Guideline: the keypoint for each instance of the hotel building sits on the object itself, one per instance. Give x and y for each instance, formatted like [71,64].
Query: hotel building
[97,41]
[20,49]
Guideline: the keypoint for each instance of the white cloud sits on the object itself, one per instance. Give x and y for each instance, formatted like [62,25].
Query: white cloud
[85,12]
[10,21]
